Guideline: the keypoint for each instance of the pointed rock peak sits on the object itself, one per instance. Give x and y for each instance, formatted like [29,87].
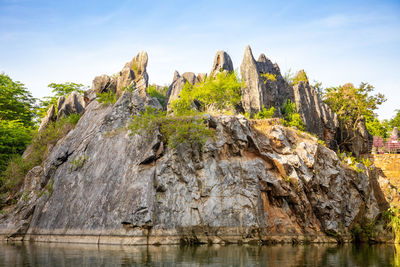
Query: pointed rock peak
[176,76]
[262,58]
[222,61]
[139,63]
[248,55]
[190,77]
[301,76]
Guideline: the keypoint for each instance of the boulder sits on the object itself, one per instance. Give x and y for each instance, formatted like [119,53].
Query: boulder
[222,62]
[73,104]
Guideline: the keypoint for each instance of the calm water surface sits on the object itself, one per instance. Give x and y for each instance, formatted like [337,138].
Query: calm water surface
[43,254]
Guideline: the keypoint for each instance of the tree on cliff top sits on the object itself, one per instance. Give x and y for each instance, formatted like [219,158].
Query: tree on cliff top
[17,113]
[352,103]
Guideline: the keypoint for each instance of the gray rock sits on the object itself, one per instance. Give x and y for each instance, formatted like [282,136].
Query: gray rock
[50,116]
[74,104]
[243,185]
[316,115]
[133,75]
[252,94]
[177,84]
[222,61]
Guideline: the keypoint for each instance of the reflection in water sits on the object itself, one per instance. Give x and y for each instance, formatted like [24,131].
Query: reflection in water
[43,254]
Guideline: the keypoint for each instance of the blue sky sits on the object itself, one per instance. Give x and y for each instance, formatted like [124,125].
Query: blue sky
[334,41]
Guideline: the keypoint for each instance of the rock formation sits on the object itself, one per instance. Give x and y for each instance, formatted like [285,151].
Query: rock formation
[246,185]
[73,104]
[177,84]
[50,116]
[222,61]
[317,116]
[252,94]
[252,182]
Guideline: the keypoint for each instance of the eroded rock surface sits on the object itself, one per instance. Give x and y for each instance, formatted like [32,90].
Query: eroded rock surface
[252,183]
[73,104]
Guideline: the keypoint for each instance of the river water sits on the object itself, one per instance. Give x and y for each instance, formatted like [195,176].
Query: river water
[44,254]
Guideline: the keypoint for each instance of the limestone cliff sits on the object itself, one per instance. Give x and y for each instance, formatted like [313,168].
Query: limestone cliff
[256,181]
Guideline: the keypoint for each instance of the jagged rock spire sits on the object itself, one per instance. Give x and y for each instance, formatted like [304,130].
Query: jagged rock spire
[222,61]
[252,94]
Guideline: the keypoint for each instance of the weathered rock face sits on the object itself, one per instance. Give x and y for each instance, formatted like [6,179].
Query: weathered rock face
[252,94]
[74,104]
[317,116]
[222,61]
[251,183]
[50,116]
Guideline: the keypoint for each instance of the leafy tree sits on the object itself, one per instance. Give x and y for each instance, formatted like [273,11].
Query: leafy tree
[352,104]
[16,102]
[377,127]
[58,89]
[395,121]
[17,109]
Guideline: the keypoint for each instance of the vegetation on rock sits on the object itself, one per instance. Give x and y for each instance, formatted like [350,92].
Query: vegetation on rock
[58,89]
[160,95]
[190,128]
[106,98]
[13,177]
[291,116]
[221,92]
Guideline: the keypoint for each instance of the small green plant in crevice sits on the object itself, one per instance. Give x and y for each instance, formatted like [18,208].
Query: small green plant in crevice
[127,88]
[174,129]
[367,163]
[321,142]
[265,113]
[25,197]
[12,179]
[268,77]
[392,216]
[106,98]
[290,115]
[351,161]
[160,95]
[78,162]
[48,189]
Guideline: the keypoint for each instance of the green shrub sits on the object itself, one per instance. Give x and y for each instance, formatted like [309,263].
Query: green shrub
[300,77]
[13,177]
[14,137]
[268,77]
[107,97]
[220,92]
[290,115]
[265,113]
[174,129]
[161,96]
[78,162]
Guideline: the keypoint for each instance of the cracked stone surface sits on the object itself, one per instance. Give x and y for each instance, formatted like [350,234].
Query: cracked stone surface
[254,182]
